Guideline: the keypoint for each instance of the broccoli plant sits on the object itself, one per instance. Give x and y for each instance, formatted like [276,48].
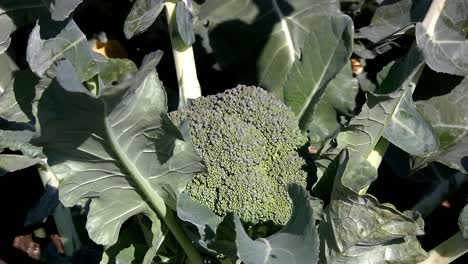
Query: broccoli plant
[291,166]
[249,141]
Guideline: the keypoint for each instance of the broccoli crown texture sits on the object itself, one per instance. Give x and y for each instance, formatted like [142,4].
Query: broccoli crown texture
[249,140]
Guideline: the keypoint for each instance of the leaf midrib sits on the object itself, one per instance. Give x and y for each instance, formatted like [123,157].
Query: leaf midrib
[150,195]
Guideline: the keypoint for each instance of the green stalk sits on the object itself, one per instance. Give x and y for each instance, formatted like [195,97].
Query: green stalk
[429,22]
[153,199]
[448,251]
[189,87]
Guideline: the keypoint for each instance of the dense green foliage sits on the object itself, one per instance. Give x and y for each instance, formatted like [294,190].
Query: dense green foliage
[354,149]
[249,141]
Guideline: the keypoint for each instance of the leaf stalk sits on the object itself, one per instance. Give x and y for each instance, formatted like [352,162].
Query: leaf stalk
[189,87]
[448,251]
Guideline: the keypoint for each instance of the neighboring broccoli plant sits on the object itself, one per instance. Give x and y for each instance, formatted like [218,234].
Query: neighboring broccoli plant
[249,141]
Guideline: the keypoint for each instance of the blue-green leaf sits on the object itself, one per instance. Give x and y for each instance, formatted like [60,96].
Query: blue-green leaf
[297,242]
[184,18]
[326,50]
[61,9]
[445,47]
[51,40]
[142,16]
[16,13]
[118,148]
[447,115]
[258,41]
[358,229]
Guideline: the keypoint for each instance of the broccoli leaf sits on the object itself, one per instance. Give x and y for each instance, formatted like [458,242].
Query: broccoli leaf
[323,56]
[61,9]
[114,71]
[447,115]
[142,16]
[184,18]
[388,112]
[18,89]
[258,41]
[463,222]
[119,149]
[51,40]
[139,241]
[19,140]
[200,222]
[445,47]
[391,16]
[339,98]
[358,229]
[16,13]
[297,242]
[11,163]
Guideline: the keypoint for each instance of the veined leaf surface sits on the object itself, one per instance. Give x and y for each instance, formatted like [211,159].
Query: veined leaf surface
[447,115]
[118,149]
[142,16]
[51,40]
[358,229]
[16,13]
[326,50]
[445,46]
[382,116]
[392,16]
[260,40]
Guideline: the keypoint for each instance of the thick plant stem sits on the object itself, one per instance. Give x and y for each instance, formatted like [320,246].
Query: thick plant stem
[429,22]
[192,253]
[448,251]
[433,15]
[189,87]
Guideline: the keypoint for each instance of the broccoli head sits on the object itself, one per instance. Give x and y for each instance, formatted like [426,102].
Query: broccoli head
[249,141]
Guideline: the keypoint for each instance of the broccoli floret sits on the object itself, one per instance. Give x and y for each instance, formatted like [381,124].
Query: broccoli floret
[249,140]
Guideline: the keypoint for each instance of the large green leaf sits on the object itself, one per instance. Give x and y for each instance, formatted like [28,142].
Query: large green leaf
[358,229]
[339,99]
[142,16]
[118,149]
[445,47]
[9,108]
[326,51]
[114,71]
[391,16]
[138,242]
[390,113]
[184,19]
[19,140]
[297,242]
[16,91]
[447,115]
[51,40]
[258,41]
[11,163]
[294,243]
[200,222]
[16,13]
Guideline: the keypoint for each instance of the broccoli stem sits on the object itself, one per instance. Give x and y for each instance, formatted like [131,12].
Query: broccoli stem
[433,15]
[448,251]
[429,22]
[189,87]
